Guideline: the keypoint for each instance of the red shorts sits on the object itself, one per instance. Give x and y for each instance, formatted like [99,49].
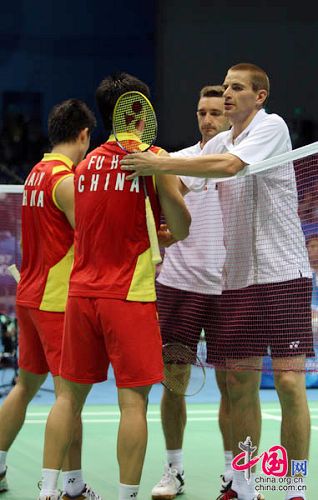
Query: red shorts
[40,340]
[102,331]
[270,319]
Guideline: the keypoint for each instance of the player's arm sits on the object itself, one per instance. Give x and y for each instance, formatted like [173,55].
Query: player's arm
[175,211]
[210,165]
[64,195]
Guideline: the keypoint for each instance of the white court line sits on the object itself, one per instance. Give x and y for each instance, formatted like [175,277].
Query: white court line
[87,413]
[116,412]
[265,416]
[116,420]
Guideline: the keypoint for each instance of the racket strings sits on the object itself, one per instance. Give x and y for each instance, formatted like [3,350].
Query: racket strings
[134,115]
[184,371]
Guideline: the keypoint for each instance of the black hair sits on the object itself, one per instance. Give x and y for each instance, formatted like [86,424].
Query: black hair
[111,88]
[68,119]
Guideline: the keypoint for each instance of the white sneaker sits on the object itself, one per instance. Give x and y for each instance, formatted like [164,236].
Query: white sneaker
[170,485]
[50,497]
[3,482]
[86,493]
[226,482]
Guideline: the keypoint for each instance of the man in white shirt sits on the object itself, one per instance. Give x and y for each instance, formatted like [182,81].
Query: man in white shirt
[267,277]
[188,289]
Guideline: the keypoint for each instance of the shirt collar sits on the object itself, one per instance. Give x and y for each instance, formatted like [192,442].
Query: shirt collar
[258,118]
[59,157]
[124,136]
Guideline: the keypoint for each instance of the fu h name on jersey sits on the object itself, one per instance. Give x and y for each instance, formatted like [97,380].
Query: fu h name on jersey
[103,178]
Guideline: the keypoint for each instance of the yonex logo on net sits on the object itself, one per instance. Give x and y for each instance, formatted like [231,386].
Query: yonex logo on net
[294,345]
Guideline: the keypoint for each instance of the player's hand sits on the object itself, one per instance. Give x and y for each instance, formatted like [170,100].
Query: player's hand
[165,237]
[143,164]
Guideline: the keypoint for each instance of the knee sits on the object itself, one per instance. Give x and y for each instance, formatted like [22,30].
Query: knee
[172,398]
[290,385]
[70,403]
[26,391]
[240,384]
[133,402]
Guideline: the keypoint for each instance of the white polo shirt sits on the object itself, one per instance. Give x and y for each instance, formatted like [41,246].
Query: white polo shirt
[262,233]
[195,264]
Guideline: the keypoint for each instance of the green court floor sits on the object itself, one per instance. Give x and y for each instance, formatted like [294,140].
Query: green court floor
[203,452]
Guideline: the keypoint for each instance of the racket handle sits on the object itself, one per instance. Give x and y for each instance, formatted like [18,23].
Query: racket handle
[152,233]
[13,270]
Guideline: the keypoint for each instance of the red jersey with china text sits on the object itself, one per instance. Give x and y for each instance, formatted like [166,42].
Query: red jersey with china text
[112,249]
[47,238]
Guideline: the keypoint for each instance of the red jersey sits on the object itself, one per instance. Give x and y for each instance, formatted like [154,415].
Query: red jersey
[112,249]
[47,237]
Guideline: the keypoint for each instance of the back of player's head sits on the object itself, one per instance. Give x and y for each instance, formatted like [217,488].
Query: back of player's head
[68,119]
[259,79]
[111,88]
[211,91]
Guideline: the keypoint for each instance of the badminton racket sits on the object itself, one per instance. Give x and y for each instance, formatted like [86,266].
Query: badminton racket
[184,372]
[135,129]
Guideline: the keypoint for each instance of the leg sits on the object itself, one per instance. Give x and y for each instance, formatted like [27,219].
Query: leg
[225,425]
[291,390]
[73,457]
[243,390]
[59,430]
[225,421]
[243,387]
[132,433]
[173,409]
[13,410]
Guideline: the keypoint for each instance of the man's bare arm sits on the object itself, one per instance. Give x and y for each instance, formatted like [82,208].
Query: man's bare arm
[176,214]
[64,195]
[214,165]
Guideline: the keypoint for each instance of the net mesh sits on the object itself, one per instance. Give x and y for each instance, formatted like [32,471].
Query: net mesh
[10,235]
[134,115]
[262,241]
[266,317]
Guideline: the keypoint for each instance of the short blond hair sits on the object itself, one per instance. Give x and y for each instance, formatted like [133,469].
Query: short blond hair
[259,79]
[211,91]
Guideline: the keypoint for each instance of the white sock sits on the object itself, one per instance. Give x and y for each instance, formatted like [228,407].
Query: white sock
[128,491]
[244,490]
[228,457]
[3,458]
[175,460]
[293,491]
[49,481]
[73,483]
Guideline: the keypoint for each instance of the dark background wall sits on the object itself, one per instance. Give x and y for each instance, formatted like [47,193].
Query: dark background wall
[64,47]
[199,39]
[53,50]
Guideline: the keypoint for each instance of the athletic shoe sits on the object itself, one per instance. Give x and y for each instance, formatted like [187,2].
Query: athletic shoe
[87,493]
[3,482]
[226,483]
[232,495]
[170,485]
[228,494]
[50,497]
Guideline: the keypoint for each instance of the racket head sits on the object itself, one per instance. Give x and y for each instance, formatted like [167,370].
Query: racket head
[184,372]
[134,122]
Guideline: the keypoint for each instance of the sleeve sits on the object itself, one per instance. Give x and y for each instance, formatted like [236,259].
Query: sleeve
[58,174]
[270,138]
[196,184]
